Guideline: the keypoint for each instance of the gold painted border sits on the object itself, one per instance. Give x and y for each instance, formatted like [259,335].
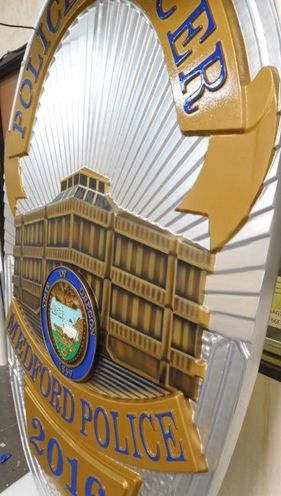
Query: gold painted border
[186,436]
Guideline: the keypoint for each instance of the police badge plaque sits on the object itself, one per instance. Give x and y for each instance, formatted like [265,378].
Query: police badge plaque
[142,168]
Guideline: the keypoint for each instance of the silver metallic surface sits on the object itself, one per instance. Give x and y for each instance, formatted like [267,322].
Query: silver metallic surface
[107,104]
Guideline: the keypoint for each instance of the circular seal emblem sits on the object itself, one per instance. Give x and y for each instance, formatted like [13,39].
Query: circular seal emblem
[70,323]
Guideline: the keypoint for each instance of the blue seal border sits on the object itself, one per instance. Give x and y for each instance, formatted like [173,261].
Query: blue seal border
[83,370]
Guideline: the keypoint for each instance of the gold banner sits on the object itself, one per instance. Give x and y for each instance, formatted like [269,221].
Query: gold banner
[76,471]
[157,434]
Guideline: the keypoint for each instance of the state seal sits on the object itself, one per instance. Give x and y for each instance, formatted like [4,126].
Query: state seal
[69,319]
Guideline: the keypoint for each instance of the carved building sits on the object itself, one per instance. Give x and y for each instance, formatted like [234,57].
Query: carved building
[148,283]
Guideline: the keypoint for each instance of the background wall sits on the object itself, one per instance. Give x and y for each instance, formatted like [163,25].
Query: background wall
[23,12]
[255,469]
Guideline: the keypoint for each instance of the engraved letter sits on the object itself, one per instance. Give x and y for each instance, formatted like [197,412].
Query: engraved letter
[68,4]
[86,416]
[35,72]
[17,123]
[12,326]
[53,28]
[68,408]
[36,367]
[26,102]
[188,27]
[93,484]
[20,344]
[55,395]
[169,439]
[98,430]
[201,72]
[27,359]
[43,39]
[132,419]
[45,382]
[161,13]
[153,456]
[118,448]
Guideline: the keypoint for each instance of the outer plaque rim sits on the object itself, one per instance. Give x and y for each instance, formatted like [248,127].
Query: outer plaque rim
[250,365]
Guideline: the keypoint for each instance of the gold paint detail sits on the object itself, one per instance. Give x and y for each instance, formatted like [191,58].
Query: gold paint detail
[64,460]
[13,178]
[238,163]
[214,25]
[168,440]
[241,116]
